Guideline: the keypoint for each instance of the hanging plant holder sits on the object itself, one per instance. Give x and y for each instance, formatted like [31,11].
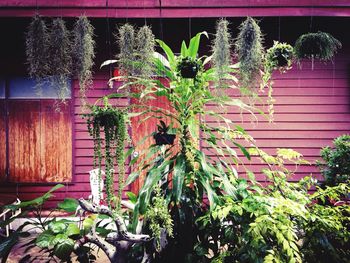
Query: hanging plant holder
[279,56]
[188,67]
[111,121]
[162,137]
[320,45]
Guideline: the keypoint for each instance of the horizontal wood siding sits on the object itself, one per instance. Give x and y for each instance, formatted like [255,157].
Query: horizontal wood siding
[177,8]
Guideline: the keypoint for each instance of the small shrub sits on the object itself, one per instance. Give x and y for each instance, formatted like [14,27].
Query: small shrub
[335,166]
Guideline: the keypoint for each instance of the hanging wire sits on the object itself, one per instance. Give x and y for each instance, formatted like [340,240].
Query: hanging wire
[108,38]
[190,27]
[279,28]
[144,13]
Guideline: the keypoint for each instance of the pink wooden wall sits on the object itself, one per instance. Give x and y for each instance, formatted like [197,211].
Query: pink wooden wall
[312,107]
[176,8]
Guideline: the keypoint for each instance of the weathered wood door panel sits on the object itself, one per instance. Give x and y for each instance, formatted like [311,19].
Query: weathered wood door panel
[40,142]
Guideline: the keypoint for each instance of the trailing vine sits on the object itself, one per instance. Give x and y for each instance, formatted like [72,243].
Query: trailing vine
[111,121]
[83,53]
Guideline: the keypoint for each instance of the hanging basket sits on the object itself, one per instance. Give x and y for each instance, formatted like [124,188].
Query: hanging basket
[164,138]
[188,68]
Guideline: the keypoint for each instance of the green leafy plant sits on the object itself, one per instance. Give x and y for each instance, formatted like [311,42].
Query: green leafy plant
[158,218]
[320,45]
[55,238]
[335,166]
[37,47]
[60,57]
[221,50]
[111,121]
[194,175]
[83,52]
[279,57]
[250,51]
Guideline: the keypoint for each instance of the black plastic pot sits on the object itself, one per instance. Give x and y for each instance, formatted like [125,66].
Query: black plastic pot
[188,68]
[282,61]
[164,138]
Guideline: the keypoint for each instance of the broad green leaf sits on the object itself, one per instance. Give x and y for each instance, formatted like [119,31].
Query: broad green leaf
[168,52]
[7,244]
[72,230]
[178,177]
[64,247]
[44,239]
[69,205]
[132,197]
[194,44]
[57,227]
[184,51]
[132,177]
[87,223]
[244,150]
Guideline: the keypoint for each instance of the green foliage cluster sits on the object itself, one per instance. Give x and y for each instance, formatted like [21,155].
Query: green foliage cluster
[83,52]
[320,45]
[278,223]
[158,218]
[112,121]
[279,57]
[335,166]
[55,238]
[250,51]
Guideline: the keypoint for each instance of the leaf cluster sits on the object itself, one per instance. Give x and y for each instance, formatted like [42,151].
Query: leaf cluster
[320,45]
[335,166]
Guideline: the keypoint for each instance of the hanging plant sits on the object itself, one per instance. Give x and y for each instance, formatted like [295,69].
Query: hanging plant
[188,67]
[37,46]
[60,57]
[126,43]
[250,52]
[320,45]
[144,49]
[111,121]
[162,137]
[279,56]
[83,53]
[221,57]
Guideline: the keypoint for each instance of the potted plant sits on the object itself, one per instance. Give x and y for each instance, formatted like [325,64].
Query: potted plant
[320,45]
[162,137]
[188,67]
[279,56]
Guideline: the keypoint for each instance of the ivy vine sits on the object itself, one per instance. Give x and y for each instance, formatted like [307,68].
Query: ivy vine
[112,122]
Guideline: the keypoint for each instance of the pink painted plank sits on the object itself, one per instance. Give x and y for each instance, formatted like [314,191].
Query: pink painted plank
[177,12]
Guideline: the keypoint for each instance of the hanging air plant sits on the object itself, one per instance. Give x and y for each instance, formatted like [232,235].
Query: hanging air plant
[60,57]
[250,52]
[188,67]
[111,121]
[320,45]
[279,56]
[144,45]
[126,43]
[37,46]
[83,52]
[221,57]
